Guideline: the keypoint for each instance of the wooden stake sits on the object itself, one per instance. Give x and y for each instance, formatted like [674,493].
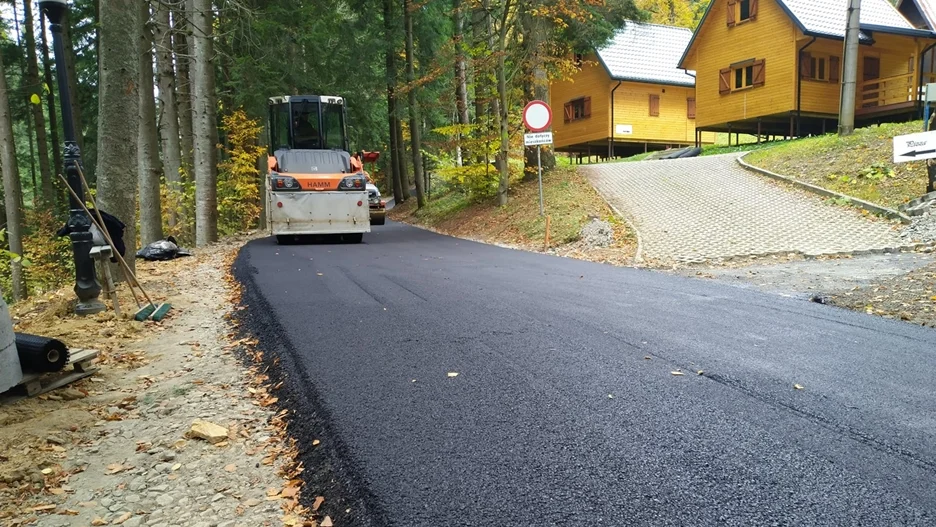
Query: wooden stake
[548,218]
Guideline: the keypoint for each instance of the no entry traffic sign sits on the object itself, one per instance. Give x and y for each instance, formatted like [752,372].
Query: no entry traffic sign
[537,116]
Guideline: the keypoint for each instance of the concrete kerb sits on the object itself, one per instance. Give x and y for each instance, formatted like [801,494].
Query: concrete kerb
[866,205]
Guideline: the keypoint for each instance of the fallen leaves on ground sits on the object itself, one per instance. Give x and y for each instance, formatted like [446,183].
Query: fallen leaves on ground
[909,297]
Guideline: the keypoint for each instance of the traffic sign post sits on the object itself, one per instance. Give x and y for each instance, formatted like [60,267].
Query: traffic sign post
[537,116]
[915,147]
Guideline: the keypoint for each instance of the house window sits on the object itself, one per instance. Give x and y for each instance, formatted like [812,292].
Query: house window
[742,75]
[741,11]
[744,10]
[578,58]
[654,106]
[690,108]
[823,68]
[578,109]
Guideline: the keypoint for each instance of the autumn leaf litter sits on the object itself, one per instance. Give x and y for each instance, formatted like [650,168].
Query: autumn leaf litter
[179,427]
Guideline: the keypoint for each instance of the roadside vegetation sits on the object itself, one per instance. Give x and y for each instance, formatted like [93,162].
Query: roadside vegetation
[571,203]
[860,165]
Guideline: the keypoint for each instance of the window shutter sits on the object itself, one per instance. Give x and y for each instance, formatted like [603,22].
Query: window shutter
[753,9]
[833,69]
[587,111]
[654,106]
[568,112]
[724,81]
[690,108]
[805,65]
[731,13]
[759,74]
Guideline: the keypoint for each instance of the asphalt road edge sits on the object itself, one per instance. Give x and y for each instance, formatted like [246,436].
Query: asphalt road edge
[329,471]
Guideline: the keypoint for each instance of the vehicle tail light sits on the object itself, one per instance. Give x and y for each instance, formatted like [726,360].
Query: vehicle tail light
[359,203]
[279,204]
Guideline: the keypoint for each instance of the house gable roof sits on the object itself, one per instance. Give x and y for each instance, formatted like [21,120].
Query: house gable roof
[926,8]
[826,18]
[647,53]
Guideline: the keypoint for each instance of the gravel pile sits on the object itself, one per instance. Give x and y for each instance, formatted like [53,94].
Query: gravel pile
[922,228]
[598,234]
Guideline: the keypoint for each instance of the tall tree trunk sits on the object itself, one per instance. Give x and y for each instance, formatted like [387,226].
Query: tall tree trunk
[461,74]
[413,107]
[480,31]
[502,158]
[390,36]
[502,110]
[150,167]
[181,40]
[12,190]
[401,154]
[119,114]
[206,202]
[50,100]
[168,107]
[34,87]
[534,38]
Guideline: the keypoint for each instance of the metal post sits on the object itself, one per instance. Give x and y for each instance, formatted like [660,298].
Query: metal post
[87,287]
[539,170]
[850,70]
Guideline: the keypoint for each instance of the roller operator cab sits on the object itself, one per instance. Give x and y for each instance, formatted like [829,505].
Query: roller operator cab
[316,187]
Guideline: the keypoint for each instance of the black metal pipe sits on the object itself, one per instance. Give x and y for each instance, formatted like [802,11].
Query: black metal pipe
[611,143]
[799,87]
[87,288]
[922,67]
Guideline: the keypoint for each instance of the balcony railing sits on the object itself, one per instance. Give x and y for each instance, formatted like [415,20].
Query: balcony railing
[896,90]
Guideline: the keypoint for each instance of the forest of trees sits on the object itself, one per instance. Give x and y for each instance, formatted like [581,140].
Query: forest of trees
[170,99]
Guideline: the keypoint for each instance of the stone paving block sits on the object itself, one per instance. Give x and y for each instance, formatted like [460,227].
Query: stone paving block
[708,208]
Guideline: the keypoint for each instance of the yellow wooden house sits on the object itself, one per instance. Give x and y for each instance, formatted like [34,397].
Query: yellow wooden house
[922,14]
[774,67]
[628,97]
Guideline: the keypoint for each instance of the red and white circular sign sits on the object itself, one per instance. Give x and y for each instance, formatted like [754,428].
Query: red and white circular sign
[537,116]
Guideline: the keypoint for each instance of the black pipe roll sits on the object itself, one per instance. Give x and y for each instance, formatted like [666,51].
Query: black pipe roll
[41,354]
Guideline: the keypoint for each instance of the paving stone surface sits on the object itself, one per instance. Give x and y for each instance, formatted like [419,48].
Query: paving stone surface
[706,208]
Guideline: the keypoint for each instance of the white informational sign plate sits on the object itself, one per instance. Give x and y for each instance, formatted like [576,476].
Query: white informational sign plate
[542,138]
[624,129]
[915,147]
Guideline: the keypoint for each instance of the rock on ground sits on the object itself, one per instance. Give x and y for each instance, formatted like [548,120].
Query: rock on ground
[598,234]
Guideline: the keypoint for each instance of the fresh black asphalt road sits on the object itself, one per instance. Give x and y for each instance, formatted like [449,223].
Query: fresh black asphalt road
[565,410]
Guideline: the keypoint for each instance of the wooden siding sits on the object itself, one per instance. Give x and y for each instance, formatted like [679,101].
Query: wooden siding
[591,81]
[673,126]
[772,37]
[896,54]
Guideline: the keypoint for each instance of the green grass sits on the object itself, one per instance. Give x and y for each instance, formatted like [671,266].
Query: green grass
[570,201]
[860,165]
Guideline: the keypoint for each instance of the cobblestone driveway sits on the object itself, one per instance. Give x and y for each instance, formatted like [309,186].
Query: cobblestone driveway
[692,210]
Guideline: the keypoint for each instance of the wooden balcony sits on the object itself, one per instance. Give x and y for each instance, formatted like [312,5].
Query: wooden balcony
[890,94]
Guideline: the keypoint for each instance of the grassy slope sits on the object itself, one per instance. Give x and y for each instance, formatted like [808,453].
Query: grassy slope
[570,202]
[860,165]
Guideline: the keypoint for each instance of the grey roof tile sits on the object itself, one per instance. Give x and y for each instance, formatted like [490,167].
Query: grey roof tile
[647,53]
[827,17]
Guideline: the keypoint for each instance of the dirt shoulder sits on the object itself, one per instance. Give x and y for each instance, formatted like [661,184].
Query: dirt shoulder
[571,204]
[117,448]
